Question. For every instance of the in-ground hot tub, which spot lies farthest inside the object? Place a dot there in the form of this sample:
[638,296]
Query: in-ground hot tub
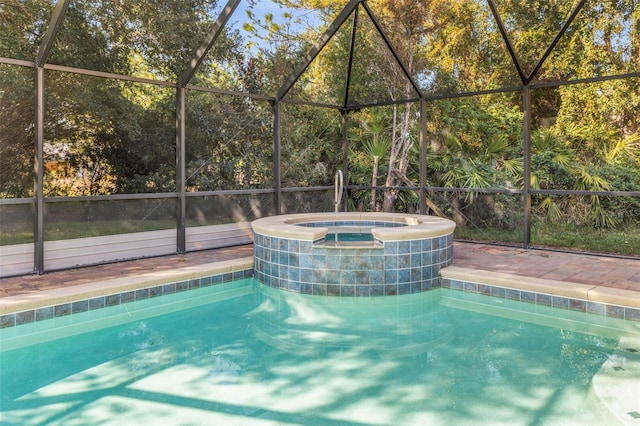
[385,254]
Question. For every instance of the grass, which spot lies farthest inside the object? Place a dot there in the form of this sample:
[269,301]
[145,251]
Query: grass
[618,241]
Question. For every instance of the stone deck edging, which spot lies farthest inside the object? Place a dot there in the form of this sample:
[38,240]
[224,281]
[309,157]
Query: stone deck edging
[593,293]
[58,296]
[600,300]
[417,226]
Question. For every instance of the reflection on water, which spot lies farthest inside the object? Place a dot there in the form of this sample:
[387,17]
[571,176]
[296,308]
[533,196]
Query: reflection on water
[275,357]
[304,324]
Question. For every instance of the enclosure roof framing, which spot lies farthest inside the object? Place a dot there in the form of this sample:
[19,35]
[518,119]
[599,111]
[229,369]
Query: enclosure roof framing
[52,30]
[317,48]
[526,77]
[555,41]
[209,41]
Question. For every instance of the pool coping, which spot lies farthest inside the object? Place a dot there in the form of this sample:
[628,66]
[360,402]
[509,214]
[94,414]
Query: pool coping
[596,299]
[418,226]
[123,285]
[589,292]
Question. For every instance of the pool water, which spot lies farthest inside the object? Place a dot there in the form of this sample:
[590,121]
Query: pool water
[271,357]
[349,236]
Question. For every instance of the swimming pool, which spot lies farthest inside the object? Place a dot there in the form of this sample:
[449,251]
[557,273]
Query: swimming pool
[249,354]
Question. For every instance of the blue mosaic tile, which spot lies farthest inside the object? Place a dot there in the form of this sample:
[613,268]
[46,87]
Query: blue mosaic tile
[294,274]
[428,285]
[363,277]
[283,272]
[527,296]
[484,289]
[318,276]
[305,260]
[169,288]
[362,291]
[80,306]
[347,290]
[404,261]
[404,276]
[376,276]
[416,275]
[391,262]
[391,276]
[320,289]
[615,311]
[560,302]
[376,290]
[8,320]
[498,292]
[142,294]
[404,288]
[62,310]
[470,287]
[294,286]
[129,296]
[512,294]
[391,289]
[578,305]
[24,317]
[543,299]
[44,313]
[632,314]
[96,303]
[390,248]
[427,273]
[596,308]
[404,247]
[112,300]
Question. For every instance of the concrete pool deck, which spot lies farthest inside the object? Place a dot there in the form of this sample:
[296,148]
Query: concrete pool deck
[598,278]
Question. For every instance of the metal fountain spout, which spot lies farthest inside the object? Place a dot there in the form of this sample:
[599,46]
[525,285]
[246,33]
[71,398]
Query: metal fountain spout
[338,188]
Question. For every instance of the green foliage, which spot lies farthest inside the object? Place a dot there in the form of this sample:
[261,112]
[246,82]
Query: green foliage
[105,136]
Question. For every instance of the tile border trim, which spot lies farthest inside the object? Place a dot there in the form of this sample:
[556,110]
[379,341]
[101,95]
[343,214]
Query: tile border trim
[608,302]
[107,295]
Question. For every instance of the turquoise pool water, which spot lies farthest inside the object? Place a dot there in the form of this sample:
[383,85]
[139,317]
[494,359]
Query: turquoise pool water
[349,236]
[249,354]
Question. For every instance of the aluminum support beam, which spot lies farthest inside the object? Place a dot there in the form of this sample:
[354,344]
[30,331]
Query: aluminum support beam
[345,157]
[38,181]
[526,194]
[52,31]
[206,45]
[181,244]
[277,177]
[552,46]
[423,157]
[507,41]
[352,48]
[394,52]
[317,48]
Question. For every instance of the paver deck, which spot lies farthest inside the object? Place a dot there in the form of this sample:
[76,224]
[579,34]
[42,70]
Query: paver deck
[597,271]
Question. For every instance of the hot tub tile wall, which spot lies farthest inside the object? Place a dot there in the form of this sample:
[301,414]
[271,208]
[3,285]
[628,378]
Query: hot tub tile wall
[389,268]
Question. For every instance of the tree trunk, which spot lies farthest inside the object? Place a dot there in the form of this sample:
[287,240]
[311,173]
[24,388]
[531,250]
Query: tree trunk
[374,182]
